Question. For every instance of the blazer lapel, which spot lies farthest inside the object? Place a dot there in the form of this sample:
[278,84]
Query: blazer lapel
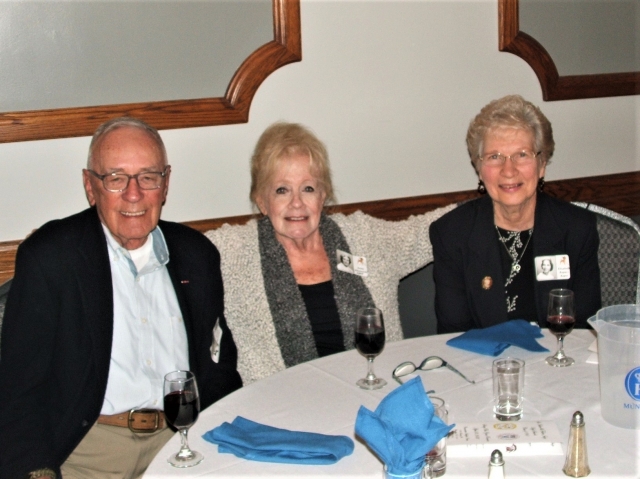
[174,270]
[96,292]
[484,262]
[549,237]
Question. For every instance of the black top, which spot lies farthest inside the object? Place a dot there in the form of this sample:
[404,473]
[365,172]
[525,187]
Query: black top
[323,313]
[519,285]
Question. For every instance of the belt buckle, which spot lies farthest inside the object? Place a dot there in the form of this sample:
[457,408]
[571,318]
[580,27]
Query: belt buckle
[143,411]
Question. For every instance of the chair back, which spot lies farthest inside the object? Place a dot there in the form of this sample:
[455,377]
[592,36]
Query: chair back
[618,256]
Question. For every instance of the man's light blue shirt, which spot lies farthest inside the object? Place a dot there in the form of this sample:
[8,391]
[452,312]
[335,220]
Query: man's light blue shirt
[149,336]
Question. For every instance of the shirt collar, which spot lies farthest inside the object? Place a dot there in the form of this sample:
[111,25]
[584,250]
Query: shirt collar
[158,259]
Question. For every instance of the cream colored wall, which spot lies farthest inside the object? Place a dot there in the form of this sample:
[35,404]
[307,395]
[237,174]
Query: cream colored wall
[390,86]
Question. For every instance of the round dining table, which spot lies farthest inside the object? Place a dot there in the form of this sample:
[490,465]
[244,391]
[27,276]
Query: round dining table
[321,396]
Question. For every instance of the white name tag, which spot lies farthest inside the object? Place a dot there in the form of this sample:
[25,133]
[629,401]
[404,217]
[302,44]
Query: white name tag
[350,263]
[549,268]
[215,345]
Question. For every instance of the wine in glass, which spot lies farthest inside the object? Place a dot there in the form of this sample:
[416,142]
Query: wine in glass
[370,342]
[181,408]
[560,320]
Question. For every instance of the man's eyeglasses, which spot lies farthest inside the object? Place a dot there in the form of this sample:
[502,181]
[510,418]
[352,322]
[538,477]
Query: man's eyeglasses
[432,362]
[118,182]
[521,158]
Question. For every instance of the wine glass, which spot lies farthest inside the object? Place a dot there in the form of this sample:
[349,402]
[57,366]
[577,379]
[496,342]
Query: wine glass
[181,408]
[370,342]
[560,319]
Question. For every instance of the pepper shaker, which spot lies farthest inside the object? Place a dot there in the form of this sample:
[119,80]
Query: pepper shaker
[576,464]
[496,465]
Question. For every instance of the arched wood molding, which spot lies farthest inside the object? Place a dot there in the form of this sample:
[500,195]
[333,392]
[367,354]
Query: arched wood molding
[554,86]
[619,192]
[285,48]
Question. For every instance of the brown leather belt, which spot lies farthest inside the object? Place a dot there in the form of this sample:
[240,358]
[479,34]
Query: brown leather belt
[137,420]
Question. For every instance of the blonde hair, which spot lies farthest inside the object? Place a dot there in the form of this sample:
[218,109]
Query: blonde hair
[281,141]
[511,111]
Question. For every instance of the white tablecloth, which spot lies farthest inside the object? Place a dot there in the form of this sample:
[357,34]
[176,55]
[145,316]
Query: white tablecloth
[321,396]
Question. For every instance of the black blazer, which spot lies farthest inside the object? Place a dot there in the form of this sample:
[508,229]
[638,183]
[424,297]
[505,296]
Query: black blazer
[57,335]
[466,250]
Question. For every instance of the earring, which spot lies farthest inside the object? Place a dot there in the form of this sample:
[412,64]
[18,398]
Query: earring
[541,184]
[481,188]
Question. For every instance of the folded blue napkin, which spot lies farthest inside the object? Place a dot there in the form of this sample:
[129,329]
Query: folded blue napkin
[403,428]
[493,340]
[257,442]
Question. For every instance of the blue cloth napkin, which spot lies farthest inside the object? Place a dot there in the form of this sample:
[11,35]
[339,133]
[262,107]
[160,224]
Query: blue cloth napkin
[403,428]
[493,340]
[257,442]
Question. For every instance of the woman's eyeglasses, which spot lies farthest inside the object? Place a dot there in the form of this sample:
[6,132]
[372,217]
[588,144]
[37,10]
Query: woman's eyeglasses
[432,362]
[521,158]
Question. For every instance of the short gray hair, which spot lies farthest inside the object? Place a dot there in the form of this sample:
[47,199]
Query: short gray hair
[121,122]
[511,111]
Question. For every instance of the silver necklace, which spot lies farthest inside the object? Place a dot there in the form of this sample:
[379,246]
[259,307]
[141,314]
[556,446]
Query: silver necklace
[515,264]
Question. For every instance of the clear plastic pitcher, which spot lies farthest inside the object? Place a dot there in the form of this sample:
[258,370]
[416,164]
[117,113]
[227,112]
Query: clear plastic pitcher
[618,330]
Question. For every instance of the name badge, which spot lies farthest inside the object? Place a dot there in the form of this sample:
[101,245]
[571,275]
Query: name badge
[549,268]
[215,345]
[350,263]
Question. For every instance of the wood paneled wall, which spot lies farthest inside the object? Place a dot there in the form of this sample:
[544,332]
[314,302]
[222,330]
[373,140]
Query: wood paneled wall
[619,192]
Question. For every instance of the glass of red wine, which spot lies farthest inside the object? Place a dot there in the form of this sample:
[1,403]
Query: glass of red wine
[370,342]
[560,320]
[181,408]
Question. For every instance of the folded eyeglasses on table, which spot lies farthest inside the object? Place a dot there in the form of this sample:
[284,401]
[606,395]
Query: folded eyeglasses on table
[432,362]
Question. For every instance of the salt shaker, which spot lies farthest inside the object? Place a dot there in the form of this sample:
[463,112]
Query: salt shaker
[496,465]
[576,464]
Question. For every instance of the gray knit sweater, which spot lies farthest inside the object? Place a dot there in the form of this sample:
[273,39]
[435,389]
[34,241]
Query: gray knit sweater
[266,345]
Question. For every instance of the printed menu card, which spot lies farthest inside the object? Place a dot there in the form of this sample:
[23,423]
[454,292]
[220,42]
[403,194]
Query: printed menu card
[520,438]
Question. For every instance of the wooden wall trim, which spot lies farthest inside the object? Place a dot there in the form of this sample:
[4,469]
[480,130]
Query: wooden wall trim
[285,48]
[554,86]
[618,192]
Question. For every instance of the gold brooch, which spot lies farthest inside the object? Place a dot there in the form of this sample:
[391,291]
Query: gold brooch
[487,282]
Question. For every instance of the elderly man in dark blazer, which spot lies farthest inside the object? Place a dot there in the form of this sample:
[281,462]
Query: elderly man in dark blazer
[104,304]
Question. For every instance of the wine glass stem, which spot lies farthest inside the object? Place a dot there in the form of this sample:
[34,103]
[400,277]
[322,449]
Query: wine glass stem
[560,353]
[184,453]
[370,374]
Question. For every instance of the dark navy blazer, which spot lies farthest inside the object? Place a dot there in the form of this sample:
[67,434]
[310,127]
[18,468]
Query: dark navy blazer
[58,328]
[466,250]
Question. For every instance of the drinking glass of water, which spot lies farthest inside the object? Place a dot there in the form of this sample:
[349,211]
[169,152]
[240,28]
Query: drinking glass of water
[436,458]
[508,388]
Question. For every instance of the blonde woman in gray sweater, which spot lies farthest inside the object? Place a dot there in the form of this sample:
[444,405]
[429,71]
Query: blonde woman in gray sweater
[295,278]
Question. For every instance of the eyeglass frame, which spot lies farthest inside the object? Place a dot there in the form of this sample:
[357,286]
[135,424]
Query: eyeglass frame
[424,362]
[163,175]
[510,157]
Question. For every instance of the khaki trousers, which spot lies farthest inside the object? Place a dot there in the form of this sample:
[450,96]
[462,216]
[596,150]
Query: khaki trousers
[112,452]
